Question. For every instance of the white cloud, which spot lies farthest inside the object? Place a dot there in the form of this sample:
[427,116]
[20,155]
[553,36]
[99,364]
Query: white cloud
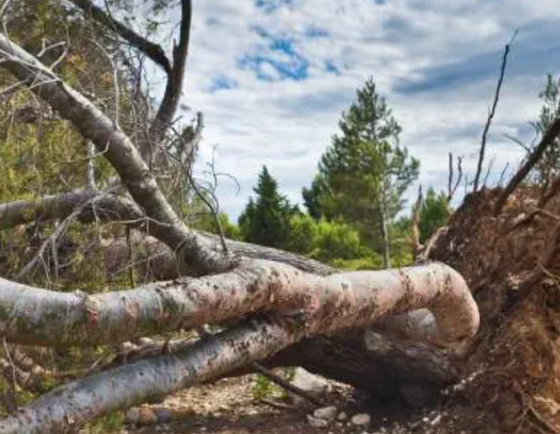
[435,61]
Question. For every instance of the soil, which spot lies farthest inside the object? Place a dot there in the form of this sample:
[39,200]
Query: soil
[229,407]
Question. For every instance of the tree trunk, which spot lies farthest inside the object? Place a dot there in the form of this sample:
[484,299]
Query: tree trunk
[385,237]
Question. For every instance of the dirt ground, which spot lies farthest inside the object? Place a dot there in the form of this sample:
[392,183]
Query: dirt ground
[229,407]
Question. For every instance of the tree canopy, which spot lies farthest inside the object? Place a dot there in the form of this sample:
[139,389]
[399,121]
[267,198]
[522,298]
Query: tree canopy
[364,173]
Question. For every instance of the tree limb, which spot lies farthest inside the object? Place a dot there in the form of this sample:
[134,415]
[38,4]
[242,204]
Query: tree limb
[491,114]
[113,208]
[330,304]
[52,318]
[532,159]
[153,51]
[172,95]
[121,153]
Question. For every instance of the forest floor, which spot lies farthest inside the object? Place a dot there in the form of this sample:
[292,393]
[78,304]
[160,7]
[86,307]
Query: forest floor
[230,407]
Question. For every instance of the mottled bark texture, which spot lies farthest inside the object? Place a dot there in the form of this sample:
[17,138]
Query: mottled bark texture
[298,306]
[347,299]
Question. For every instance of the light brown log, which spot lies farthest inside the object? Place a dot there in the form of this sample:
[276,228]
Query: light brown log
[325,305]
[41,317]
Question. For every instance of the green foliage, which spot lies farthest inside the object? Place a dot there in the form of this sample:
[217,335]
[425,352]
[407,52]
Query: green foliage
[263,388]
[336,240]
[364,173]
[302,234]
[548,167]
[433,214]
[323,240]
[207,222]
[266,219]
[112,423]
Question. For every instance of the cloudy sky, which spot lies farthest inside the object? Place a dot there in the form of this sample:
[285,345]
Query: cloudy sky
[273,76]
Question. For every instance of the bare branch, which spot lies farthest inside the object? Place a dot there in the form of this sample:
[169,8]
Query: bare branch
[150,49]
[416,245]
[492,113]
[452,188]
[502,175]
[121,153]
[168,107]
[488,171]
[532,159]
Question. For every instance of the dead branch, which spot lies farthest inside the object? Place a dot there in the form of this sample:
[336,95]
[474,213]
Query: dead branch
[285,384]
[502,175]
[174,86]
[488,172]
[452,188]
[492,113]
[532,159]
[121,153]
[416,245]
[150,49]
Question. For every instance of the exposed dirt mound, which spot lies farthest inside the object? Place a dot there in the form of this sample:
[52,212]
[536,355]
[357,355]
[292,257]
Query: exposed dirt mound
[511,262]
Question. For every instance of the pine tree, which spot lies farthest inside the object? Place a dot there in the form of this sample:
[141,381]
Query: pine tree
[364,173]
[433,214]
[266,219]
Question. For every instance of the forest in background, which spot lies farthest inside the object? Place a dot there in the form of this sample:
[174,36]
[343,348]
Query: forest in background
[83,219]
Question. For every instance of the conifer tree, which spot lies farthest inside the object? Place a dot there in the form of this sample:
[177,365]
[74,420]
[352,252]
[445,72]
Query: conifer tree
[266,219]
[365,172]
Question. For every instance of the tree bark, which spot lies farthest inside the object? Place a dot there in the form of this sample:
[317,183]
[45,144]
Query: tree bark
[56,319]
[117,147]
[323,306]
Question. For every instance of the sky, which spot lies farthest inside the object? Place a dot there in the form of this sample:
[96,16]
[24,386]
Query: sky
[272,78]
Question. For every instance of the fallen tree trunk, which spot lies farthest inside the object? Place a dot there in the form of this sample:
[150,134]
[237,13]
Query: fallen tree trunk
[323,306]
[55,319]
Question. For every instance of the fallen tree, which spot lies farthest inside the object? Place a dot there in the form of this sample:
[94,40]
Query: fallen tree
[381,331]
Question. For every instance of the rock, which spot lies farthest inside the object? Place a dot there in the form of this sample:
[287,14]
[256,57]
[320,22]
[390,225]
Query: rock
[316,423]
[342,417]
[132,415]
[361,419]
[325,413]
[163,415]
[147,416]
[312,384]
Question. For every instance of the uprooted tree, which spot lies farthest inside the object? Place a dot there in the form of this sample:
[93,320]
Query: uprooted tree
[386,332]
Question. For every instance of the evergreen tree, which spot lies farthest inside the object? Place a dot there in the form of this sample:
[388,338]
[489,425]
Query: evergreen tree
[434,214]
[364,173]
[266,219]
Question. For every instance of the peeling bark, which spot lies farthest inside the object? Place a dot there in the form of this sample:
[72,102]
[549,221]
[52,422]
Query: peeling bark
[66,409]
[346,299]
[326,305]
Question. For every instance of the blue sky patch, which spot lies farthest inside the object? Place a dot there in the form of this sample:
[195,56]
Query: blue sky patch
[221,82]
[313,32]
[270,6]
[277,60]
[331,67]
